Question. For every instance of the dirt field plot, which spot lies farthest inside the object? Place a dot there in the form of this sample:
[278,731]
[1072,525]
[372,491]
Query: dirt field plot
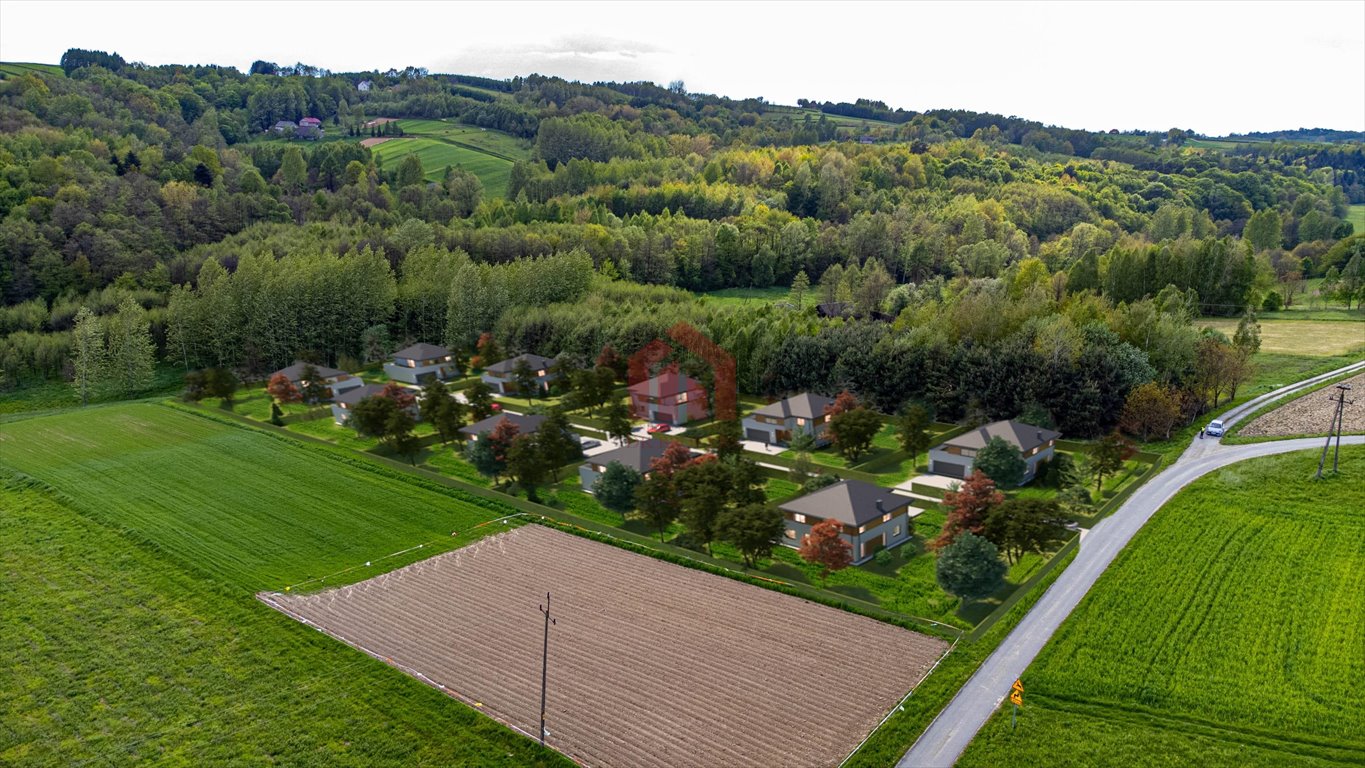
[1312,413]
[650,663]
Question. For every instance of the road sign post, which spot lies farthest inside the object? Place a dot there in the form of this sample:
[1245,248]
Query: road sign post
[1017,699]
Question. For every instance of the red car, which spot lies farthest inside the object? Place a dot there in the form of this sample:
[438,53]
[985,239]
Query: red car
[655,429]
[496,406]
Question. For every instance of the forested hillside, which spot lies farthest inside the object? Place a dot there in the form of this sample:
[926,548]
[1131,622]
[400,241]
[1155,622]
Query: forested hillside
[985,264]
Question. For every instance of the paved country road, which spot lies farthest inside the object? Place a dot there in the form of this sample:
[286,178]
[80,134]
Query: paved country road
[950,733]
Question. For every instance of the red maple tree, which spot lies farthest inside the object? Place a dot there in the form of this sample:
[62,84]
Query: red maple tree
[399,394]
[504,432]
[283,390]
[823,547]
[968,507]
[843,403]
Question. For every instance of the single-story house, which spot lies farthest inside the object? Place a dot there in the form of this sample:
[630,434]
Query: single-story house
[872,518]
[309,128]
[344,402]
[336,381]
[421,363]
[954,458]
[778,422]
[639,456]
[364,85]
[526,424]
[286,127]
[671,397]
[501,376]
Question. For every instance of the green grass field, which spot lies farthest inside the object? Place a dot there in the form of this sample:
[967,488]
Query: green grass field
[1356,215]
[1227,633]
[749,295]
[115,654]
[16,68]
[246,508]
[493,142]
[437,155]
[1301,337]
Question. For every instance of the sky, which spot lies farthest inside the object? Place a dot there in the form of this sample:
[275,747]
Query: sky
[1213,67]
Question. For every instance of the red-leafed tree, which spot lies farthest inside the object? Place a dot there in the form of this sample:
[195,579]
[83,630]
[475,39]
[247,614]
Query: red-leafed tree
[968,507]
[283,390]
[400,395]
[609,359]
[501,438]
[823,547]
[488,351]
[675,457]
[843,403]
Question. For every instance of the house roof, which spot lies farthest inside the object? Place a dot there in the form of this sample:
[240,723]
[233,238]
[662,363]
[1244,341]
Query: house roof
[670,382]
[310,121]
[852,502]
[421,352]
[295,372]
[804,406]
[285,122]
[1023,436]
[832,309]
[536,363]
[353,396]
[525,424]
[636,455]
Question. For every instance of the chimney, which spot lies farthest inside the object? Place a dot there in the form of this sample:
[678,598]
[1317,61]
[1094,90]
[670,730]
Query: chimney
[880,508]
[1040,435]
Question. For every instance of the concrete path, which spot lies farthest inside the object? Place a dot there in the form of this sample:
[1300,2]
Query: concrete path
[950,733]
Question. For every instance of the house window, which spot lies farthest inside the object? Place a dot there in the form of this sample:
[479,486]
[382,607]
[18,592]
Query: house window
[682,398]
[896,531]
[791,534]
[799,518]
[800,422]
[540,373]
[886,518]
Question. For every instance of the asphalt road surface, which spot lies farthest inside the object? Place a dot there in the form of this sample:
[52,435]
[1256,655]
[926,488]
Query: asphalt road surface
[950,733]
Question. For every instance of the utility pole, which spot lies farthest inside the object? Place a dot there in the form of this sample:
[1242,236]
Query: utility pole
[544,664]
[1336,424]
[1342,402]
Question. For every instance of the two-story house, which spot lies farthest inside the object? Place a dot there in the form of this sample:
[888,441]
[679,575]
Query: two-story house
[777,423]
[870,517]
[336,381]
[671,397]
[527,424]
[955,457]
[501,377]
[344,402]
[421,363]
[639,456]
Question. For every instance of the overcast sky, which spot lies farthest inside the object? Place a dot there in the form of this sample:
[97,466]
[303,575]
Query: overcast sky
[1217,68]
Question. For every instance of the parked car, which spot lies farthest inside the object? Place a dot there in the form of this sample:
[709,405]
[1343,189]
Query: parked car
[496,406]
[588,443]
[655,429]
[1214,429]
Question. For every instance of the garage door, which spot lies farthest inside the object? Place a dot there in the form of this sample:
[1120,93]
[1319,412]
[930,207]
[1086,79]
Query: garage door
[760,435]
[950,470]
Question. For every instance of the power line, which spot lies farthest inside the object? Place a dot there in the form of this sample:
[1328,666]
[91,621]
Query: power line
[1338,418]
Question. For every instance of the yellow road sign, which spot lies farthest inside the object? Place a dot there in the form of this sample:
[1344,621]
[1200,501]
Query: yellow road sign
[1018,686]
[1016,698]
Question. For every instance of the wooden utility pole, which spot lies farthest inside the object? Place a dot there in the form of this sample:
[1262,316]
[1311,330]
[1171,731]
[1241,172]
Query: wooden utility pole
[1337,419]
[544,664]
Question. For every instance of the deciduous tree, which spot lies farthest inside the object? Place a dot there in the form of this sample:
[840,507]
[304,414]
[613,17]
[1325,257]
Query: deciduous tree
[753,529]
[1150,409]
[1002,462]
[615,487]
[1107,457]
[618,422]
[283,390]
[527,463]
[967,508]
[970,567]
[824,547]
[912,428]
[1017,526]
[480,397]
[853,432]
[87,353]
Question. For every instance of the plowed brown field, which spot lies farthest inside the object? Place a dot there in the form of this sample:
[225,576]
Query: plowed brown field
[651,664]
[1312,413]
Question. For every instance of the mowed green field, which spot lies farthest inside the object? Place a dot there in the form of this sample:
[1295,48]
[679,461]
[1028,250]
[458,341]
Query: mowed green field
[1301,337]
[1356,215]
[114,654]
[492,142]
[1229,632]
[16,68]
[437,155]
[246,508]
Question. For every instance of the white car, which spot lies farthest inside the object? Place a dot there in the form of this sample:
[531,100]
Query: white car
[1214,429]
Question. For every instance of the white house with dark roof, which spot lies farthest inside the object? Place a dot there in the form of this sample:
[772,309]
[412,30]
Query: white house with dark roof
[501,376]
[955,457]
[336,381]
[871,518]
[639,456]
[421,363]
[777,423]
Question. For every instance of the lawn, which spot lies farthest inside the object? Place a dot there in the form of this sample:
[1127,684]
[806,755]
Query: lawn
[494,143]
[114,654]
[252,510]
[740,296]
[437,155]
[1320,338]
[1228,632]
[52,395]
[1356,215]
[17,68]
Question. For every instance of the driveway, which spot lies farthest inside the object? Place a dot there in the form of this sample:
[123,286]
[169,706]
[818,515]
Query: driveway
[950,733]
[767,449]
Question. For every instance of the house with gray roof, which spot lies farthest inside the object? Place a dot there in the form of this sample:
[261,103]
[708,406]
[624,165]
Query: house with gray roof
[639,456]
[777,423]
[501,376]
[344,402]
[526,424]
[336,381]
[871,518]
[421,363]
[954,458]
